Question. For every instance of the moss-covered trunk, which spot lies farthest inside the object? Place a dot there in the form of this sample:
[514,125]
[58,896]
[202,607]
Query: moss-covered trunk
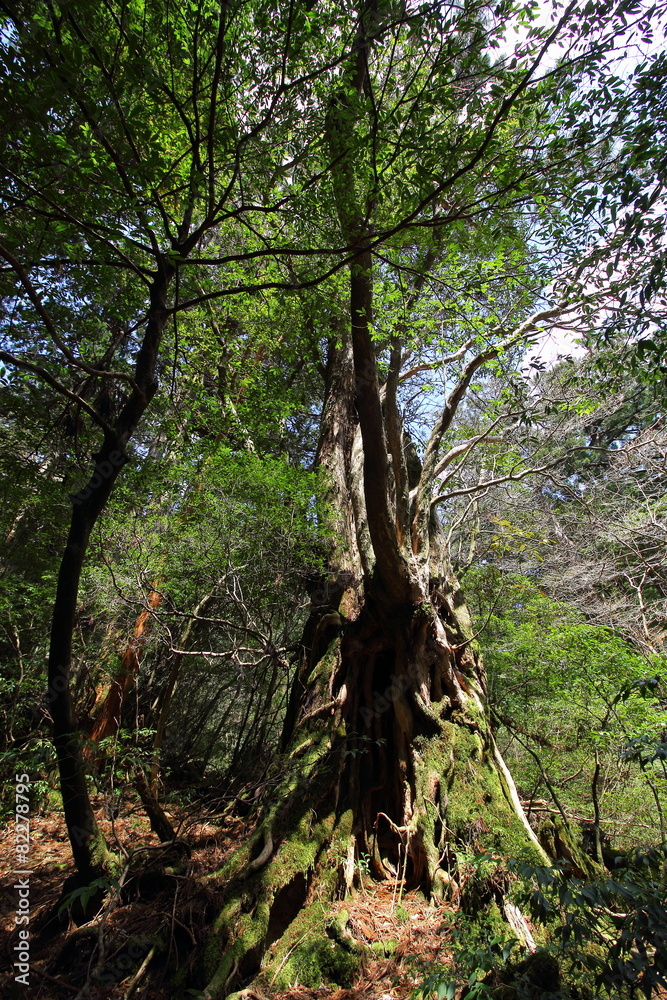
[387,753]
[391,760]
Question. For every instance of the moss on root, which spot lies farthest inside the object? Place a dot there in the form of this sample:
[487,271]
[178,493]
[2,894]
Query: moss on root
[249,923]
[311,953]
[384,949]
[274,922]
[473,799]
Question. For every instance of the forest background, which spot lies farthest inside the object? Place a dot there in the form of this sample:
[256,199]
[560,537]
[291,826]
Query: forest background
[282,450]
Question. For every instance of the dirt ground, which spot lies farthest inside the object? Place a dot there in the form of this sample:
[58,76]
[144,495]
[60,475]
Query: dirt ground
[176,903]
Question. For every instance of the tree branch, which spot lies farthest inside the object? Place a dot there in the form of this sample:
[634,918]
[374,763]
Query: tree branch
[45,376]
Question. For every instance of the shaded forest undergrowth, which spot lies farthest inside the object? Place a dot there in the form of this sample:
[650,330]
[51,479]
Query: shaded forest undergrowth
[149,934]
[166,906]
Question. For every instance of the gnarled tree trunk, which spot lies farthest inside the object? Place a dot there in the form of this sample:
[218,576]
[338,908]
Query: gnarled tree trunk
[387,748]
[390,752]
[387,751]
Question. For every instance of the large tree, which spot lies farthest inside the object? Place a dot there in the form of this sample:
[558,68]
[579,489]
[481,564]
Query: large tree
[387,748]
[175,156]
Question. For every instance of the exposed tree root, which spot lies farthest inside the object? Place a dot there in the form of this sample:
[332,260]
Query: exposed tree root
[391,760]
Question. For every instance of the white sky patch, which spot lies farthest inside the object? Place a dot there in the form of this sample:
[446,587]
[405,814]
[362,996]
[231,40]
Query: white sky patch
[552,346]
[633,48]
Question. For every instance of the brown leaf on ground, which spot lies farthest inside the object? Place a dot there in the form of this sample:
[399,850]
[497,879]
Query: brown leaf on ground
[179,903]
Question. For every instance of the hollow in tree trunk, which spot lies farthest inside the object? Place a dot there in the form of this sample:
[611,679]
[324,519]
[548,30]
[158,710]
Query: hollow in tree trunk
[387,751]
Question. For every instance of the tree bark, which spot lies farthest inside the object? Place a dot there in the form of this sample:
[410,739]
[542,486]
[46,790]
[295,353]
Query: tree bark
[90,852]
[386,746]
[107,720]
[159,821]
[390,752]
[334,450]
[387,750]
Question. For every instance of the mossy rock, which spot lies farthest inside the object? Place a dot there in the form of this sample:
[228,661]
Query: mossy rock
[384,949]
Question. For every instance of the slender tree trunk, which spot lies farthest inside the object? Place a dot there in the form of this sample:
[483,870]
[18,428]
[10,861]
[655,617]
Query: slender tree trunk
[597,840]
[159,821]
[88,846]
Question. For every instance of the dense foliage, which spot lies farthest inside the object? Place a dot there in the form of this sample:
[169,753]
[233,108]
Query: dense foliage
[277,285]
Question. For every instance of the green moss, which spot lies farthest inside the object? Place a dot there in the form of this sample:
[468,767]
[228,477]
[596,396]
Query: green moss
[306,955]
[343,829]
[241,928]
[423,611]
[562,844]
[319,962]
[474,801]
[250,932]
[297,855]
[384,949]
[305,952]
[491,922]
[103,858]
[53,802]
[319,675]
[236,862]
[329,873]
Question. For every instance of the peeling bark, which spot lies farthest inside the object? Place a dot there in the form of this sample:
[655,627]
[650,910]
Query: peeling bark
[107,721]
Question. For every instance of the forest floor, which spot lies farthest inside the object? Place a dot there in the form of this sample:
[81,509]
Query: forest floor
[174,900]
